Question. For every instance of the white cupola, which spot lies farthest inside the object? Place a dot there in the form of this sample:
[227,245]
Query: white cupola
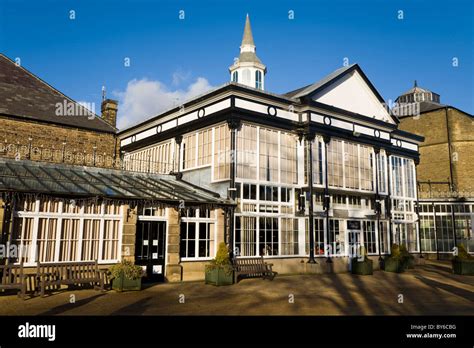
[248,69]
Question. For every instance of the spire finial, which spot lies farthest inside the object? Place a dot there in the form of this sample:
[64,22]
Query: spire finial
[248,37]
[415,84]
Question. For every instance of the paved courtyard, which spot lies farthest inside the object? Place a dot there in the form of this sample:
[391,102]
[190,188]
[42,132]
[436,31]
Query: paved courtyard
[427,290]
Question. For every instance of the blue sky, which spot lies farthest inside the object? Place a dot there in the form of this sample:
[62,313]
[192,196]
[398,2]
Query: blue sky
[172,59]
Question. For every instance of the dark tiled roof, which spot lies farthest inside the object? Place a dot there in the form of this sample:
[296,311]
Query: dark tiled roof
[80,181]
[24,95]
[301,92]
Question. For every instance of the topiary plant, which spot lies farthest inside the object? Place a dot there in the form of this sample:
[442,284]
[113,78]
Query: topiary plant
[126,269]
[222,259]
[463,254]
[395,254]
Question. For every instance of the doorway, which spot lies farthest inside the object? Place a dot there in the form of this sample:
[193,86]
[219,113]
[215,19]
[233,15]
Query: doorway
[150,249]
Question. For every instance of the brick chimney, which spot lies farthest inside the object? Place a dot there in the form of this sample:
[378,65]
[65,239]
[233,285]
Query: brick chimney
[109,111]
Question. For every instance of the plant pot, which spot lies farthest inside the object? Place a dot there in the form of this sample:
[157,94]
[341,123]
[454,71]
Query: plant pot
[394,265]
[408,263]
[124,284]
[218,277]
[362,267]
[464,267]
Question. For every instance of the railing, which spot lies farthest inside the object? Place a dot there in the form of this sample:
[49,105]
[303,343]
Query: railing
[66,155]
[441,189]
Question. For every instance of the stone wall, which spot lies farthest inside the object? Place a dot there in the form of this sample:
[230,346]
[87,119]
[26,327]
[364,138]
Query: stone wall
[47,142]
[434,152]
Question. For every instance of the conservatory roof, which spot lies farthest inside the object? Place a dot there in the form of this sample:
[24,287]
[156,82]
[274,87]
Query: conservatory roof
[81,181]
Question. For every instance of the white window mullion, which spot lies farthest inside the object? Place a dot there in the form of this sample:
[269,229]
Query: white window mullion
[101,232]
[34,240]
[58,231]
[81,234]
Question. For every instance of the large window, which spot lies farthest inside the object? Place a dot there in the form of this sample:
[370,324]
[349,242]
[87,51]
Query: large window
[382,169]
[222,156]
[197,234]
[336,237]
[427,234]
[157,159]
[351,173]
[318,237]
[370,241]
[268,155]
[247,152]
[289,236]
[246,235]
[204,147]
[366,168]
[268,236]
[189,151]
[60,231]
[288,159]
[335,163]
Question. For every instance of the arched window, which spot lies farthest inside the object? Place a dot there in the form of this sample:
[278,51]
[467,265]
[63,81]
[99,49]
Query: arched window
[235,76]
[258,79]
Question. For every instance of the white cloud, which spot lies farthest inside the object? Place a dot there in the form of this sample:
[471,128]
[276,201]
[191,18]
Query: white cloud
[144,98]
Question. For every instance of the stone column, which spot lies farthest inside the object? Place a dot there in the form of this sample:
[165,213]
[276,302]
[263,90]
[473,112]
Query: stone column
[174,271]
[129,232]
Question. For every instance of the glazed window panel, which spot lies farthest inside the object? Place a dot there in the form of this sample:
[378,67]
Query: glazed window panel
[69,240]
[46,242]
[382,169]
[289,237]
[351,159]
[336,237]
[189,151]
[268,154]
[90,240]
[222,151]
[288,158]
[110,240]
[317,162]
[204,147]
[247,152]
[335,163]
[22,237]
[246,235]
[268,236]
[427,234]
[369,236]
[366,168]
[383,233]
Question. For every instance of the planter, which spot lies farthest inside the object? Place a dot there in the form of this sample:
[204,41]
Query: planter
[464,267]
[218,277]
[362,267]
[125,284]
[394,265]
[409,263]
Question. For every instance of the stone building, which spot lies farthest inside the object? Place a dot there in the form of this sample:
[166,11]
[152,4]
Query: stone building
[315,173]
[445,172]
[63,194]
[40,123]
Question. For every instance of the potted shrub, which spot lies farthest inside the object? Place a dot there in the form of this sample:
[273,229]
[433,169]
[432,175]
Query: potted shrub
[408,260]
[362,265]
[394,262]
[220,270]
[126,276]
[463,263]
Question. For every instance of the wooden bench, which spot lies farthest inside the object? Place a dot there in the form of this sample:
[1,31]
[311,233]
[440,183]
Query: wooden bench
[254,267]
[13,277]
[68,273]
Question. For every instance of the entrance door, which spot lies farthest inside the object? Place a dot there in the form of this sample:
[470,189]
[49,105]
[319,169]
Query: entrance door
[150,249]
[354,237]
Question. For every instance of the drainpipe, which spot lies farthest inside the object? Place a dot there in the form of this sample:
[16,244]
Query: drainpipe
[448,131]
[309,148]
[327,139]
[418,213]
